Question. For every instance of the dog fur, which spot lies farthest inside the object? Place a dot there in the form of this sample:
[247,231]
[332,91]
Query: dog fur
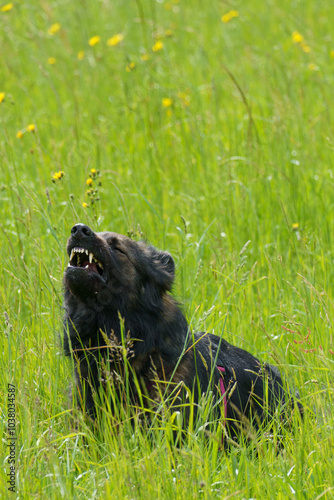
[123,295]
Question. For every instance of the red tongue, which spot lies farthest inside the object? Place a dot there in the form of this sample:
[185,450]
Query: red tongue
[90,266]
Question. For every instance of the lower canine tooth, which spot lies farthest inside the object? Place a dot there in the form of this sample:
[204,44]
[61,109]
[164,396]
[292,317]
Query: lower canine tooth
[90,257]
[72,255]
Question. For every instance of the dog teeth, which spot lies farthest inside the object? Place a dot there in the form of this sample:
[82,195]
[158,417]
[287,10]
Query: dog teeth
[77,251]
[80,250]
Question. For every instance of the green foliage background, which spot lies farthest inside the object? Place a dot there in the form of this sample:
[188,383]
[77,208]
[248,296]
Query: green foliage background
[235,178]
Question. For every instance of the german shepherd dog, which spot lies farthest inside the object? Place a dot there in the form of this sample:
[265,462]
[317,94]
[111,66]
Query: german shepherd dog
[116,289]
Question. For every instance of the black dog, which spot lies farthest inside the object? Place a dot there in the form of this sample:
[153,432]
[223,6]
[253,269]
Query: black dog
[115,288]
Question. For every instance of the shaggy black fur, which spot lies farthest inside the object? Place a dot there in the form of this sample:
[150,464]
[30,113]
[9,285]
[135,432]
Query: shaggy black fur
[127,283]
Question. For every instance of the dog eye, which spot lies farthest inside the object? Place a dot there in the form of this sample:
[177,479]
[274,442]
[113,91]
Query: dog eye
[117,249]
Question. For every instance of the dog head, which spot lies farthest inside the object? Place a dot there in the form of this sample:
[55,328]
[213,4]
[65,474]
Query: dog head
[111,269]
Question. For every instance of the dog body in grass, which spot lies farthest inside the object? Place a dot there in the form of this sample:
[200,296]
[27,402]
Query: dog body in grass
[116,287]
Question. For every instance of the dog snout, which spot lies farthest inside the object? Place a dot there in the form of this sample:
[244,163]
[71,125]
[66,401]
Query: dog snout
[81,231]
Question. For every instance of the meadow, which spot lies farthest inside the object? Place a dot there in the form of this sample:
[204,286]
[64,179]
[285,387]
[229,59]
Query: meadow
[207,129]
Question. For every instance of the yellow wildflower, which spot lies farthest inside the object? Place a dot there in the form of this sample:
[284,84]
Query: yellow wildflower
[230,15]
[7,7]
[115,40]
[295,226]
[168,32]
[19,134]
[93,171]
[167,102]
[297,37]
[158,46]
[305,47]
[313,67]
[57,176]
[52,60]
[85,205]
[94,40]
[31,127]
[89,182]
[145,57]
[54,28]
[2,97]
[81,55]
[130,66]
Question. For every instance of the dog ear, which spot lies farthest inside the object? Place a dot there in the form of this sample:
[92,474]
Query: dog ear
[161,268]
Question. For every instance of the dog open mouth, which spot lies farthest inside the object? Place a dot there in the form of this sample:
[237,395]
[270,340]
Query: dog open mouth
[82,257]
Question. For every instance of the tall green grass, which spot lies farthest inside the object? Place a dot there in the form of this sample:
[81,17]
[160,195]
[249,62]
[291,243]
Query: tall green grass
[235,178]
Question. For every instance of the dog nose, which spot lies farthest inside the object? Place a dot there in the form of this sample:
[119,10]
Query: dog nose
[81,231]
